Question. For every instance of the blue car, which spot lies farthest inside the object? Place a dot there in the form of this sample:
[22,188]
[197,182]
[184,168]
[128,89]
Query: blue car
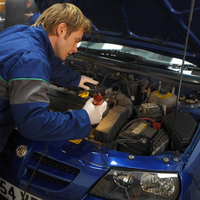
[146,57]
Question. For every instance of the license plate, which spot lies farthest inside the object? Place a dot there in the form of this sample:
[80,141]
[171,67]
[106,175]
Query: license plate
[12,192]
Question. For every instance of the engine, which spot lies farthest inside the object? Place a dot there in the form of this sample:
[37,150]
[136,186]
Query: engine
[141,118]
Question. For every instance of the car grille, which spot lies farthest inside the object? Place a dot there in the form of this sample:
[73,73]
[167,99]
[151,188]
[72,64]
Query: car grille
[55,164]
[51,174]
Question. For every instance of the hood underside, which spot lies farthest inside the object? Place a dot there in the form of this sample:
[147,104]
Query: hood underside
[158,26]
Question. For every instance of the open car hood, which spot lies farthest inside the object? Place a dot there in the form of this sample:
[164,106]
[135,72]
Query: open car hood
[154,25]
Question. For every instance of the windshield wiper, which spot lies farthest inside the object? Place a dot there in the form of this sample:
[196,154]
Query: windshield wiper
[125,57]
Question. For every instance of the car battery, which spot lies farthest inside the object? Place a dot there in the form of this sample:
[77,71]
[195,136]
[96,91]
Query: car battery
[140,138]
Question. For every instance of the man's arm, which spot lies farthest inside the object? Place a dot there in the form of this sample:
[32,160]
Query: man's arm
[63,76]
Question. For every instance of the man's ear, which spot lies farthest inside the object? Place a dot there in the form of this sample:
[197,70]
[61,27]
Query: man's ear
[61,29]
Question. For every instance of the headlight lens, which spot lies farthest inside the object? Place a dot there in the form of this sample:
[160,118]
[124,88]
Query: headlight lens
[127,185]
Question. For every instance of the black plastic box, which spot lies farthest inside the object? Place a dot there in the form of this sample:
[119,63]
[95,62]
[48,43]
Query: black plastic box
[183,131]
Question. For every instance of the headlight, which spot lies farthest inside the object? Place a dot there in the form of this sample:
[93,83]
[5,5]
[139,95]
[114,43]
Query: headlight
[127,185]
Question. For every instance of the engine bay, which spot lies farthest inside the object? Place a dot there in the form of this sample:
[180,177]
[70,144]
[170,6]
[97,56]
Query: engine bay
[143,115]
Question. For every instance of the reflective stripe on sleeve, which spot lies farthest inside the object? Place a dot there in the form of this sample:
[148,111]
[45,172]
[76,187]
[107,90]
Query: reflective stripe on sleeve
[28,91]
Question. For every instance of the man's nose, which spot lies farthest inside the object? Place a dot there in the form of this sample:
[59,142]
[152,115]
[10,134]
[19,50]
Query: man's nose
[75,49]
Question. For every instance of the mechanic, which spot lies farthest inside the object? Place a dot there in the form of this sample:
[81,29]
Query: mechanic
[31,57]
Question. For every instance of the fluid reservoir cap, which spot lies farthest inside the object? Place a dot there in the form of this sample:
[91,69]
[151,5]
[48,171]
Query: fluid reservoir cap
[163,90]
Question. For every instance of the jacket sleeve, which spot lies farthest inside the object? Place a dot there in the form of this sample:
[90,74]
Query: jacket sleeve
[63,75]
[29,106]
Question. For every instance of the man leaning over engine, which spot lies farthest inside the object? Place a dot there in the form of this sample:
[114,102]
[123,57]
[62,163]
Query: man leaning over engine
[31,57]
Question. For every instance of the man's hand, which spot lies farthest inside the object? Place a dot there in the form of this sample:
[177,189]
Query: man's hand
[95,112]
[85,79]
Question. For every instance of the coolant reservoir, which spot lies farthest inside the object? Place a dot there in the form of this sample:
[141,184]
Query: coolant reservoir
[164,99]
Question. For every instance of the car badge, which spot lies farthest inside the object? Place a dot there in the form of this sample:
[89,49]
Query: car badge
[21,151]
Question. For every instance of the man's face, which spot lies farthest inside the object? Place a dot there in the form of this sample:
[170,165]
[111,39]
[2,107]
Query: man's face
[66,45]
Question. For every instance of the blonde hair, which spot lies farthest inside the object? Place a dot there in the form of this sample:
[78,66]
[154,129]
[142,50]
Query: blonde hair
[63,13]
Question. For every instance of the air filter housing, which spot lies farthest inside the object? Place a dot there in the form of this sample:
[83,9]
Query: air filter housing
[183,131]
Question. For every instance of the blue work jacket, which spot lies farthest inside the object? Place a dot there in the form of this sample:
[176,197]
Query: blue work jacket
[27,65]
